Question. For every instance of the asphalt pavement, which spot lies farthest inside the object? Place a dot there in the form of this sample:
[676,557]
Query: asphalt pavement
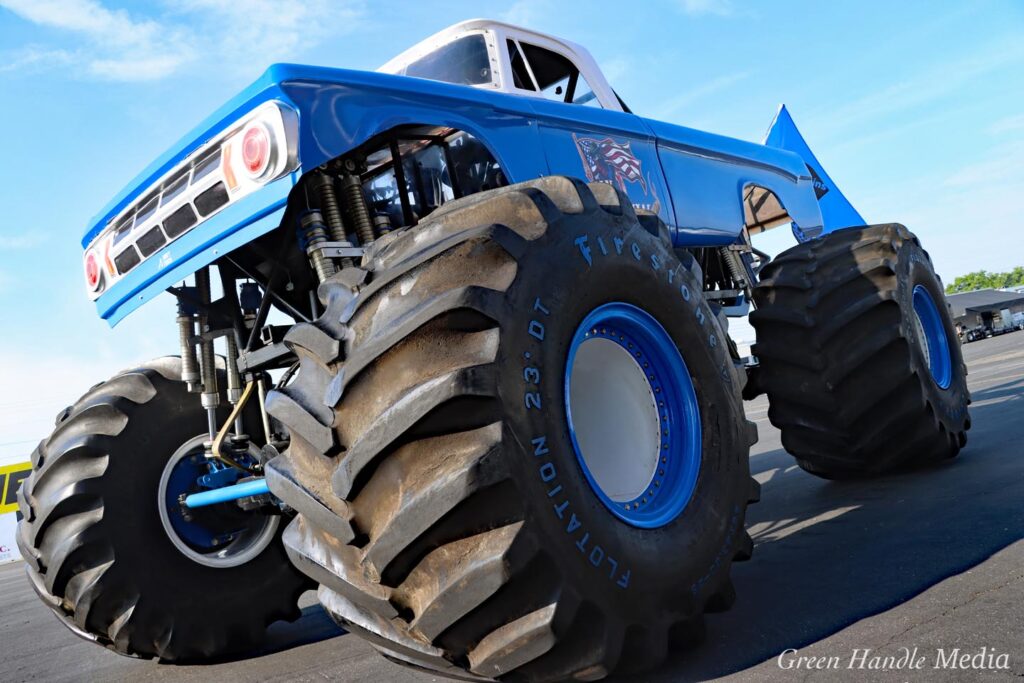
[932,560]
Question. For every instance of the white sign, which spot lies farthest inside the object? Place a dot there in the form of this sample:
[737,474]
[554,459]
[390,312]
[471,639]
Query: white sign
[8,546]
[11,477]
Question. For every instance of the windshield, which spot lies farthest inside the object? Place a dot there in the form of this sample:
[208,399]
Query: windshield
[463,61]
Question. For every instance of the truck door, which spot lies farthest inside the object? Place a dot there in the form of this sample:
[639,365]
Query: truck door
[582,139]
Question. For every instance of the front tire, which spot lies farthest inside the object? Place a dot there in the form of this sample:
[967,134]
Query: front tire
[443,504]
[97,545]
[858,354]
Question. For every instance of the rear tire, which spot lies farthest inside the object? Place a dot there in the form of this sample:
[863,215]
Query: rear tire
[95,547]
[855,383]
[442,504]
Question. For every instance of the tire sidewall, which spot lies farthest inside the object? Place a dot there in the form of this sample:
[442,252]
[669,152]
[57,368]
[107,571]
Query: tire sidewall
[173,587]
[581,262]
[915,269]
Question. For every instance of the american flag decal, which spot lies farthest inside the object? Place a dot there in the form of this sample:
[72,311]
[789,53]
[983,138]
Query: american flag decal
[607,160]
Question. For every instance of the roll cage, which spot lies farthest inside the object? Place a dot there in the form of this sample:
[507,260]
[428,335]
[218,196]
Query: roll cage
[498,56]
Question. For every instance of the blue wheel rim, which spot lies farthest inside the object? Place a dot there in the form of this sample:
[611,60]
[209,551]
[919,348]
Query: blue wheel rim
[673,481]
[933,338]
[218,536]
[182,480]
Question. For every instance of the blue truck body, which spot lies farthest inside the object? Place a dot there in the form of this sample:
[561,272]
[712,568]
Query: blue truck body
[450,376]
[694,180]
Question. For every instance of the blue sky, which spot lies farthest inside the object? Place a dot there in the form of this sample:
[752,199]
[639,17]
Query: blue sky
[916,109]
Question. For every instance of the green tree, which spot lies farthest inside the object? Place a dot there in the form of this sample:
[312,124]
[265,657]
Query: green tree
[982,279]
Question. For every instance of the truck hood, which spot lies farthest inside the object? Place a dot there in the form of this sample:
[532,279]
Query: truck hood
[266,87]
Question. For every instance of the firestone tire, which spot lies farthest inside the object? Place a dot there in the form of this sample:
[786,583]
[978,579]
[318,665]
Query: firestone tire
[442,505]
[96,550]
[859,355]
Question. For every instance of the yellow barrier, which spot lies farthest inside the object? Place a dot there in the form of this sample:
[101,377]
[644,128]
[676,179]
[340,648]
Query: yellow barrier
[11,477]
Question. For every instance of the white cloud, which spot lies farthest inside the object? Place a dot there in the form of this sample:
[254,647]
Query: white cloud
[522,13]
[86,16]
[940,81]
[43,387]
[616,69]
[959,216]
[118,45]
[1010,124]
[265,31]
[721,8]
[34,58]
[960,231]
[25,240]
[678,102]
[1003,166]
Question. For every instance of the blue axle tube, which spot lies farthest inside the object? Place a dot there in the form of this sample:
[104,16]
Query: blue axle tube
[255,487]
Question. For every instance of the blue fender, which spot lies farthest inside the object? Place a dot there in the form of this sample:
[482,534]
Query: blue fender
[337,110]
[696,181]
[708,174]
[836,210]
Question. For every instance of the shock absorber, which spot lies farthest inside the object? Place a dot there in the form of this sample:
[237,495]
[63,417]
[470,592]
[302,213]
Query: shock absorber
[330,212]
[312,234]
[189,363]
[234,377]
[733,265]
[207,360]
[355,202]
[249,300]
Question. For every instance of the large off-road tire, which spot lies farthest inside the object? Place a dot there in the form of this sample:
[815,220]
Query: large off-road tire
[95,547]
[442,504]
[858,354]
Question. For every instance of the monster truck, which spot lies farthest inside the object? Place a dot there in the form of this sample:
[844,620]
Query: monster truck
[496,416]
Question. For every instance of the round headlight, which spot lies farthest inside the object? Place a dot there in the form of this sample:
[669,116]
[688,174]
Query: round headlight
[256,149]
[93,275]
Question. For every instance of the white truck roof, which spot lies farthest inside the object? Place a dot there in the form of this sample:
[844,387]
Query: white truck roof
[497,34]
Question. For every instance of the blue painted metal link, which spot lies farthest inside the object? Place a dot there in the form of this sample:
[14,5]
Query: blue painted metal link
[254,487]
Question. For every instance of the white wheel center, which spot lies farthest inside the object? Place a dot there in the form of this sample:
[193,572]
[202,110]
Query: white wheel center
[922,340]
[615,418]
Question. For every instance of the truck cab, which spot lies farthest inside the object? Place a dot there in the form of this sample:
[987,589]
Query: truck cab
[497,56]
[653,162]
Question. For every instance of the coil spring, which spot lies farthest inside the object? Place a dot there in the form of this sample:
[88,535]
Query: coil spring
[732,263]
[355,202]
[189,362]
[312,234]
[381,224]
[207,358]
[330,209]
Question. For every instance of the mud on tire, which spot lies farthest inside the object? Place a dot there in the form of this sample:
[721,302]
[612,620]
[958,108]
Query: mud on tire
[441,504]
[94,546]
[846,367]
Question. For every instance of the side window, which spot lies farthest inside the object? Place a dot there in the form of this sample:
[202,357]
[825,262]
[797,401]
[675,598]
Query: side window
[584,95]
[557,77]
[520,76]
[464,61]
[552,71]
[558,91]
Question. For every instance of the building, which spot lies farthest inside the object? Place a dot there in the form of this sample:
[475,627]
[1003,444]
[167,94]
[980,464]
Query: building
[986,307]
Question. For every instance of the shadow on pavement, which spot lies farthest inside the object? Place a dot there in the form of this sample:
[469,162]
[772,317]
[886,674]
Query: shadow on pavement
[313,626]
[828,554]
